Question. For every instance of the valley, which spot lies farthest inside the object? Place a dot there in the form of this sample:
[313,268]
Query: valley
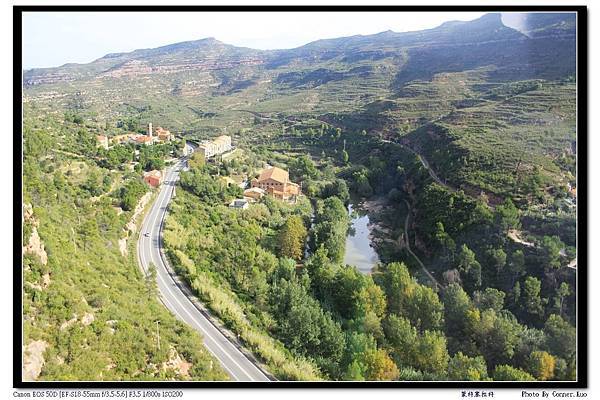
[391,207]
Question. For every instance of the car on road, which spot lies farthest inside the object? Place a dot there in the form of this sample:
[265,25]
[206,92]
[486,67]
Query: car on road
[147,234]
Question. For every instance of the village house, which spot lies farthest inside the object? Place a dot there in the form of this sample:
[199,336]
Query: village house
[163,135]
[144,140]
[102,141]
[153,178]
[215,147]
[241,204]
[276,182]
[255,193]
[121,138]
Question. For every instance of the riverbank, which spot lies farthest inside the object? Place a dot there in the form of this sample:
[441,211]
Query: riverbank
[383,237]
[389,234]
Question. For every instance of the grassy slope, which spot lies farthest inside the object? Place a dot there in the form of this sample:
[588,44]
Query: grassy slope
[88,275]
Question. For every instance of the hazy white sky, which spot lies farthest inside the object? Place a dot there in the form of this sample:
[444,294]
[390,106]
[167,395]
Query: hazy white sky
[53,39]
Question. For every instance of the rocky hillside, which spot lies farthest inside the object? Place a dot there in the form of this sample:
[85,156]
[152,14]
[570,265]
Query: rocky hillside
[484,72]
[453,46]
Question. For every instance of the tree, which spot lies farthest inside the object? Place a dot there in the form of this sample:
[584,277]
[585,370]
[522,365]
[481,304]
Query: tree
[533,182]
[370,324]
[508,373]
[560,337]
[347,286]
[93,184]
[465,368]
[321,271]
[355,372]
[131,192]
[292,238]
[496,334]
[516,266]
[303,326]
[445,241]
[507,216]
[561,370]
[379,366]
[361,183]
[337,188]
[431,354]
[197,160]
[373,297]
[357,345]
[89,231]
[468,265]
[303,168]
[533,303]
[551,247]
[490,298]
[561,293]
[401,336]
[345,157]
[424,308]
[497,260]
[530,339]
[515,297]
[541,365]
[426,352]
[331,227]
[456,305]
[420,304]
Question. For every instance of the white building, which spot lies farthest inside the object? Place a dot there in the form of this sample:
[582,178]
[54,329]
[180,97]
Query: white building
[214,147]
[239,204]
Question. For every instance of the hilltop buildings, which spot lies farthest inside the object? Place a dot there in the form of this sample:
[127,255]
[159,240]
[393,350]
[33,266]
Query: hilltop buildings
[151,137]
[215,147]
[276,182]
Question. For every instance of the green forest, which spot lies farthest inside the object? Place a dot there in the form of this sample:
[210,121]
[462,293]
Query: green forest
[251,268]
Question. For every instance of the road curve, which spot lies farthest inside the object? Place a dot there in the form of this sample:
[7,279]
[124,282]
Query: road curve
[233,361]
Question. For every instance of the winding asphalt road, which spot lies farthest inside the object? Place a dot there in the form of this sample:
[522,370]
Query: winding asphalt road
[172,294]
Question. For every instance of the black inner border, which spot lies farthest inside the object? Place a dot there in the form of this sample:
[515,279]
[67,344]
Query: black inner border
[582,206]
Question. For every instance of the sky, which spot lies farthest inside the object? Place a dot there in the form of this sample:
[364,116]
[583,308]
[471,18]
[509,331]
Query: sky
[55,38]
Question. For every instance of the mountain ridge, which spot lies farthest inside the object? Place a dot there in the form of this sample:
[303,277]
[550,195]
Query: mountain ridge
[382,44]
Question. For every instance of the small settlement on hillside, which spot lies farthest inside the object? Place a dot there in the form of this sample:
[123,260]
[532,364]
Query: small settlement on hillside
[151,137]
[160,135]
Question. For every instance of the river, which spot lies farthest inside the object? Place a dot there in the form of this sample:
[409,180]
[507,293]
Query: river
[358,244]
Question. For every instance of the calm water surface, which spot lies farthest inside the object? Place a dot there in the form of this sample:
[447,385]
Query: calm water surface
[358,246]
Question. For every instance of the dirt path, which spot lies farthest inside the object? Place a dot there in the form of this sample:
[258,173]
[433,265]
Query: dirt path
[113,186]
[425,164]
[515,235]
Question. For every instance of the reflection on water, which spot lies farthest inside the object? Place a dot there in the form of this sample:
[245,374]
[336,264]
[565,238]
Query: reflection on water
[358,245]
